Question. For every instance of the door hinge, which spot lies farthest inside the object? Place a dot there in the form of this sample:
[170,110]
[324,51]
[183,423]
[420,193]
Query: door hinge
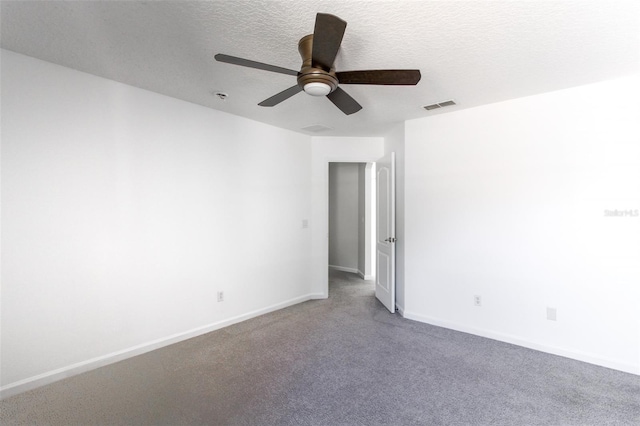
[391,239]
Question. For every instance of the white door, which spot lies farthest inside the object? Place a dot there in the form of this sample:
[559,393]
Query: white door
[386,232]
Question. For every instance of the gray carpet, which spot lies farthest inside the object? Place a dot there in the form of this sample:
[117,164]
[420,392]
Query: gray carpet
[341,361]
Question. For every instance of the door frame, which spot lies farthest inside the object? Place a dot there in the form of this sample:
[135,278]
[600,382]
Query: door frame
[325,211]
[366,247]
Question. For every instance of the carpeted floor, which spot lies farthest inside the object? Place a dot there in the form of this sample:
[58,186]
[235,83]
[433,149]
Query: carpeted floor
[341,361]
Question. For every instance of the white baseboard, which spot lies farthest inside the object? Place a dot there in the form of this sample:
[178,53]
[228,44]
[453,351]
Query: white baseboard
[515,340]
[91,364]
[400,310]
[352,270]
[318,296]
[365,277]
[344,269]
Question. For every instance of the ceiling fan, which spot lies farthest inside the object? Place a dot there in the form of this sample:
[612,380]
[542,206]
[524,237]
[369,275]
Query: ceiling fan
[317,77]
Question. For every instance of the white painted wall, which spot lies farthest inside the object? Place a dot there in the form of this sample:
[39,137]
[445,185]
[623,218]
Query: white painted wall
[507,201]
[124,212]
[344,227]
[394,141]
[325,150]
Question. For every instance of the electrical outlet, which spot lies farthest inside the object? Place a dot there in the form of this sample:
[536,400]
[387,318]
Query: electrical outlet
[221,296]
[477,300]
[552,314]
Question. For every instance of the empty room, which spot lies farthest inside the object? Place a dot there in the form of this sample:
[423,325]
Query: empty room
[278,212]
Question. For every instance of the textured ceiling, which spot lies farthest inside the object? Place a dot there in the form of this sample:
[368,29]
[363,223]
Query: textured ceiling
[476,52]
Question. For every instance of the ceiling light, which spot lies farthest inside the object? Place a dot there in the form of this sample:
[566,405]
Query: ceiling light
[317,89]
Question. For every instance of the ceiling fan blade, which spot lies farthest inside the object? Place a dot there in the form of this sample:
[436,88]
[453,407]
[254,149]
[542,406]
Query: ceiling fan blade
[385,77]
[282,96]
[344,101]
[253,64]
[327,37]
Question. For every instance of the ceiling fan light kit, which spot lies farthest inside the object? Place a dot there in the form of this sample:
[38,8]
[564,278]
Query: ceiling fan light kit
[317,76]
[317,89]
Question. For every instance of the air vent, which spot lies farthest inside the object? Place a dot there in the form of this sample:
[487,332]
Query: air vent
[316,128]
[430,107]
[440,105]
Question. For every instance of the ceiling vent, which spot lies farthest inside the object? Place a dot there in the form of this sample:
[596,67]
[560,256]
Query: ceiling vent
[316,128]
[440,105]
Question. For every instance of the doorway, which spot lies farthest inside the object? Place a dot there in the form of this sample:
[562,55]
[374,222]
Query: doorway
[352,218]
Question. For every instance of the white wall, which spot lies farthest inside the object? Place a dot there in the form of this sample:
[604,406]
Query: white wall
[325,150]
[507,201]
[124,212]
[394,141]
[344,229]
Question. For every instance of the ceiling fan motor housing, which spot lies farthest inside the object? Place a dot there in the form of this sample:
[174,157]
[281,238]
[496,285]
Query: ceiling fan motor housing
[310,73]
